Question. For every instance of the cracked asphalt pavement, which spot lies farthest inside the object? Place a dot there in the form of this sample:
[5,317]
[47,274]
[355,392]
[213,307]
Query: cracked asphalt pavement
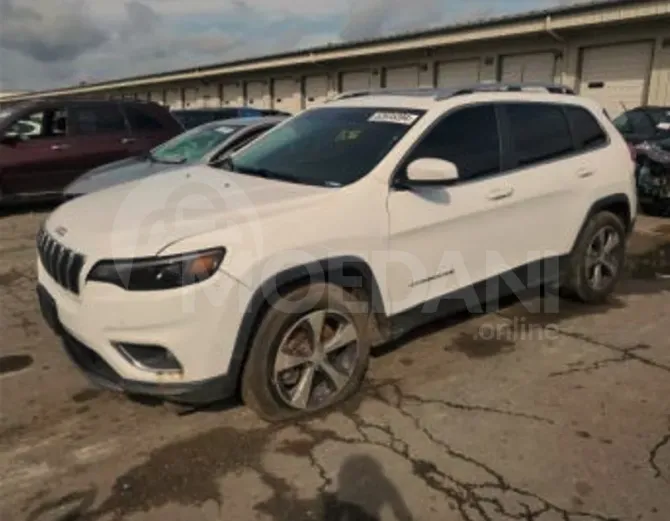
[517,414]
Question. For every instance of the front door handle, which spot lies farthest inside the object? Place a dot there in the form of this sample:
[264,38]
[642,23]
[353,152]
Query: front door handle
[62,146]
[500,193]
[584,173]
[127,140]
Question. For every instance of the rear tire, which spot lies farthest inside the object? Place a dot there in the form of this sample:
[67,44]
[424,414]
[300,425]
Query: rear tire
[285,352]
[601,246]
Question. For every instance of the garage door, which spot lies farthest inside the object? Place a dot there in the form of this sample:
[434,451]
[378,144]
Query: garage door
[359,80]
[232,95]
[286,95]
[209,96]
[457,73]
[316,89]
[402,77]
[173,98]
[616,75]
[537,67]
[258,95]
[192,98]
[156,96]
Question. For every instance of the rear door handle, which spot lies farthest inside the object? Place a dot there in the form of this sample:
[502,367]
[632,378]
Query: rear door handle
[584,173]
[127,140]
[500,193]
[60,147]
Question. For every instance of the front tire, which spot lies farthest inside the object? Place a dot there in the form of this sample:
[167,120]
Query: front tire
[597,261]
[310,352]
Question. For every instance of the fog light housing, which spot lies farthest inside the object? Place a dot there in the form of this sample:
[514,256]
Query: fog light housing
[152,358]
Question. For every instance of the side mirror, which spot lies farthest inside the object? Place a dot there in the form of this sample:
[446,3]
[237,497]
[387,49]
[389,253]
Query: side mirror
[428,171]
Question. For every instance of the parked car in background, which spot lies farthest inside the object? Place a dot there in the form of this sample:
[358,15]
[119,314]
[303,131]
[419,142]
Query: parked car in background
[644,124]
[653,176]
[204,144]
[191,118]
[45,144]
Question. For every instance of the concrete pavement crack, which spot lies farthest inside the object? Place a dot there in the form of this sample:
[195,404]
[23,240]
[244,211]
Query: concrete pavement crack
[479,408]
[475,493]
[653,454]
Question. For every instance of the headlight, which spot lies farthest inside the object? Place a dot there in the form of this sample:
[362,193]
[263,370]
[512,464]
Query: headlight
[156,273]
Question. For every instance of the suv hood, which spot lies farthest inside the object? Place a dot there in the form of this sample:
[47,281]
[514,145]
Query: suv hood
[141,218]
[118,172]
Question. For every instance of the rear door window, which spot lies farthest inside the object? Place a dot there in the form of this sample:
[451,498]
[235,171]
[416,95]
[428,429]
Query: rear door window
[585,128]
[538,132]
[140,121]
[96,119]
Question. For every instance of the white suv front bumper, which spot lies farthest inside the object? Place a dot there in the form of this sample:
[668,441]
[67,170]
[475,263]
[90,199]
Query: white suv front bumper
[197,324]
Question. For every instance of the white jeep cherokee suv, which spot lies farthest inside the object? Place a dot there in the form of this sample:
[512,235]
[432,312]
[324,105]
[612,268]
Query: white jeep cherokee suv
[273,273]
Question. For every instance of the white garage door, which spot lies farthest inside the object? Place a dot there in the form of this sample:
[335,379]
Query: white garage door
[359,80]
[209,96]
[616,75]
[457,73]
[258,95]
[192,98]
[286,92]
[316,90]
[402,77]
[537,67]
[232,95]
[173,98]
[156,96]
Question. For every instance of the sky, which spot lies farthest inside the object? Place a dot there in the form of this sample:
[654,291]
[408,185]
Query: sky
[50,43]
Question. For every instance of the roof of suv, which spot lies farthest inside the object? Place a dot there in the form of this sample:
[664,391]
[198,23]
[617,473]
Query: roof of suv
[427,97]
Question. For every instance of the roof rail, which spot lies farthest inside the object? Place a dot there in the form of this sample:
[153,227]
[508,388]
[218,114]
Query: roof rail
[445,93]
[510,87]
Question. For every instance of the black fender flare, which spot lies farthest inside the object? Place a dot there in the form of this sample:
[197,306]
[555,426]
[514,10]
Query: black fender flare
[607,203]
[350,271]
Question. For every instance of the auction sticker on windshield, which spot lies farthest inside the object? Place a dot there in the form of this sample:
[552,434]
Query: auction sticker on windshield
[224,130]
[401,118]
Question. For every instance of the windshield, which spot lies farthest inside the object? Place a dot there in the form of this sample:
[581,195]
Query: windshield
[192,145]
[326,146]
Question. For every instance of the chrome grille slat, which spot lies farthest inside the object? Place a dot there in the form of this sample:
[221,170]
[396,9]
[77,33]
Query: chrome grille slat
[61,263]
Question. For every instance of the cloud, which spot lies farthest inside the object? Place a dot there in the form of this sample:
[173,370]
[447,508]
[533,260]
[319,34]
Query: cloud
[51,43]
[48,31]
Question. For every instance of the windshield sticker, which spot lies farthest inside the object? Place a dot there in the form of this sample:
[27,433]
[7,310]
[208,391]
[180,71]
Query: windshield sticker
[224,130]
[346,135]
[401,118]
[663,126]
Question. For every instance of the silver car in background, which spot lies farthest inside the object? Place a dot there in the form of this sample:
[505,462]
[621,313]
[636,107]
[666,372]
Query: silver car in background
[200,145]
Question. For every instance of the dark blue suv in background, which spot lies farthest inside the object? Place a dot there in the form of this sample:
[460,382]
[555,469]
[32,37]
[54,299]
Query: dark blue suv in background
[191,118]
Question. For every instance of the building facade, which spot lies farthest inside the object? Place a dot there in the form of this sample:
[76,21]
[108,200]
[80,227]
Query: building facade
[616,51]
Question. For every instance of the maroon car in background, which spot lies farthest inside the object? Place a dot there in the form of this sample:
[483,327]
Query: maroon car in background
[46,144]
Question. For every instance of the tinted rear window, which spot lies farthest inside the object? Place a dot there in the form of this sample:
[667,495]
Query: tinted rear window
[539,132]
[586,130]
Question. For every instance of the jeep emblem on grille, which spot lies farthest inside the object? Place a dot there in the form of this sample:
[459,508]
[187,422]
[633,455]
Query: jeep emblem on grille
[61,231]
